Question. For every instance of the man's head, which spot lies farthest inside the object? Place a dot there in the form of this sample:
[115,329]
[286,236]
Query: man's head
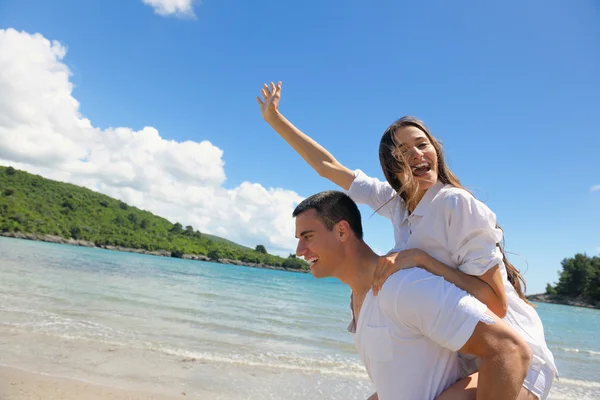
[328,224]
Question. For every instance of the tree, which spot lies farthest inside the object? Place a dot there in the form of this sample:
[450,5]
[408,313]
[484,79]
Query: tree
[575,275]
[177,228]
[10,171]
[293,263]
[76,232]
[593,290]
[580,277]
[177,253]
[216,254]
[189,230]
[18,217]
[250,257]
[133,218]
[261,249]
[68,204]
[550,289]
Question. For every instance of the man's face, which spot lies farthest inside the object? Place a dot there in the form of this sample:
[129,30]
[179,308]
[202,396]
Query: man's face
[318,245]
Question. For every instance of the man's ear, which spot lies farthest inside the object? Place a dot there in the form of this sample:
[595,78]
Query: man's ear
[343,230]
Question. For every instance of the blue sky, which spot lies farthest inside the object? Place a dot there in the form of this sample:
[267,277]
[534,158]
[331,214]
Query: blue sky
[512,89]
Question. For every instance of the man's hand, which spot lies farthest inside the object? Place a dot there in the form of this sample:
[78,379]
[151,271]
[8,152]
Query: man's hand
[269,103]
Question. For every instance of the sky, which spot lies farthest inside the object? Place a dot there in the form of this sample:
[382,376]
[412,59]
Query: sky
[153,102]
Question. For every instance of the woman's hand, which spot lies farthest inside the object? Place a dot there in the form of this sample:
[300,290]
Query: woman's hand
[269,102]
[394,262]
[487,288]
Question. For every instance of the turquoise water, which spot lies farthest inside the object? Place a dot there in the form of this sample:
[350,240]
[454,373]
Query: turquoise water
[231,332]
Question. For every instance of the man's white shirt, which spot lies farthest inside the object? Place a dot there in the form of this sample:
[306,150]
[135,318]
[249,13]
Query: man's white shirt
[408,335]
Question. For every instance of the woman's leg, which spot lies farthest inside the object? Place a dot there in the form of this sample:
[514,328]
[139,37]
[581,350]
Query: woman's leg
[466,389]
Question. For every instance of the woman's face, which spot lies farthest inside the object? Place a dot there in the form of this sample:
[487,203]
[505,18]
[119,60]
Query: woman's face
[416,149]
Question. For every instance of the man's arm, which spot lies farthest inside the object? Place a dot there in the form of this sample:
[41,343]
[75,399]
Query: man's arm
[505,359]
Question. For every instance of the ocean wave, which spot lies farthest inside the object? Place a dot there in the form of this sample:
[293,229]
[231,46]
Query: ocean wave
[578,383]
[573,389]
[330,364]
[288,362]
[77,326]
[68,328]
[582,351]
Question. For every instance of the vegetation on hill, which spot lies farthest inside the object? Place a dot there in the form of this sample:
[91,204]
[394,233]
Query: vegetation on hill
[578,283]
[580,277]
[33,204]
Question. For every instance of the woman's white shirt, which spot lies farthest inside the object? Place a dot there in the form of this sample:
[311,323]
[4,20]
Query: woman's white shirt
[460,231]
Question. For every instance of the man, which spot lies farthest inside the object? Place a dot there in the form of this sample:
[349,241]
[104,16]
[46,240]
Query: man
[408,336]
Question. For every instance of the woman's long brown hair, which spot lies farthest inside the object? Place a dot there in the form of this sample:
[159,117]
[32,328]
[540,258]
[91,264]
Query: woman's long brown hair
[393,164]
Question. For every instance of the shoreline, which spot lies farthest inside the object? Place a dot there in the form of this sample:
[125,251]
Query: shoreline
[564,300]
[160,253]
[539,297]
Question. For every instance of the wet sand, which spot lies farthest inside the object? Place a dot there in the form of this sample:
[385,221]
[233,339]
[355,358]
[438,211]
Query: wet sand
[17,384]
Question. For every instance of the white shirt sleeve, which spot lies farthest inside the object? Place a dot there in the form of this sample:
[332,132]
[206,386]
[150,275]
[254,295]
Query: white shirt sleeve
[372,192]
[429,305]
[472,233]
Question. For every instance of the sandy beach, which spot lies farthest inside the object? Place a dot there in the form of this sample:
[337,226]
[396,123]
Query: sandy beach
[17,384]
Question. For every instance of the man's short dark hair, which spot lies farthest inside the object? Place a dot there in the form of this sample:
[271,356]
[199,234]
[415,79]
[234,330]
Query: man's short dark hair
[333,206]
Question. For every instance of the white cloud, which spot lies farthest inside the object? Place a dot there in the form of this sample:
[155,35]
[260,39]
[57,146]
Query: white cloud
[179,8]
[42,131]
[595,188]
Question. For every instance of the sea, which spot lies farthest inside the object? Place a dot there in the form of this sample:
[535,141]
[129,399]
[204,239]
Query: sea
[209,330]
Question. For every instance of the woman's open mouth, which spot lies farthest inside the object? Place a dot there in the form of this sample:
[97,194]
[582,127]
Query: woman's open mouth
[421,169]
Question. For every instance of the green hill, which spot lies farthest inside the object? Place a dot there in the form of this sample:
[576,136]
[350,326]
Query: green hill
[219,239]
[35,205]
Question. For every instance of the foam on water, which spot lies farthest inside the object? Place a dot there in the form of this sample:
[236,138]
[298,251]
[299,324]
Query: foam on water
[582,351]
[235,332]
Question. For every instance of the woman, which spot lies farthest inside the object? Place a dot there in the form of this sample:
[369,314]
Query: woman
[438,225]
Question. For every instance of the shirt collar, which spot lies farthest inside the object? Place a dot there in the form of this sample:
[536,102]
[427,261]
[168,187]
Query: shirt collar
[430,194]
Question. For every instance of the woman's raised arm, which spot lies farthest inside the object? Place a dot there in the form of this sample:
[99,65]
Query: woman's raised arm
[312,152]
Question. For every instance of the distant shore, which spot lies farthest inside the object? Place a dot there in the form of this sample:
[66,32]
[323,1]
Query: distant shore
[564,300]
[161,253]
